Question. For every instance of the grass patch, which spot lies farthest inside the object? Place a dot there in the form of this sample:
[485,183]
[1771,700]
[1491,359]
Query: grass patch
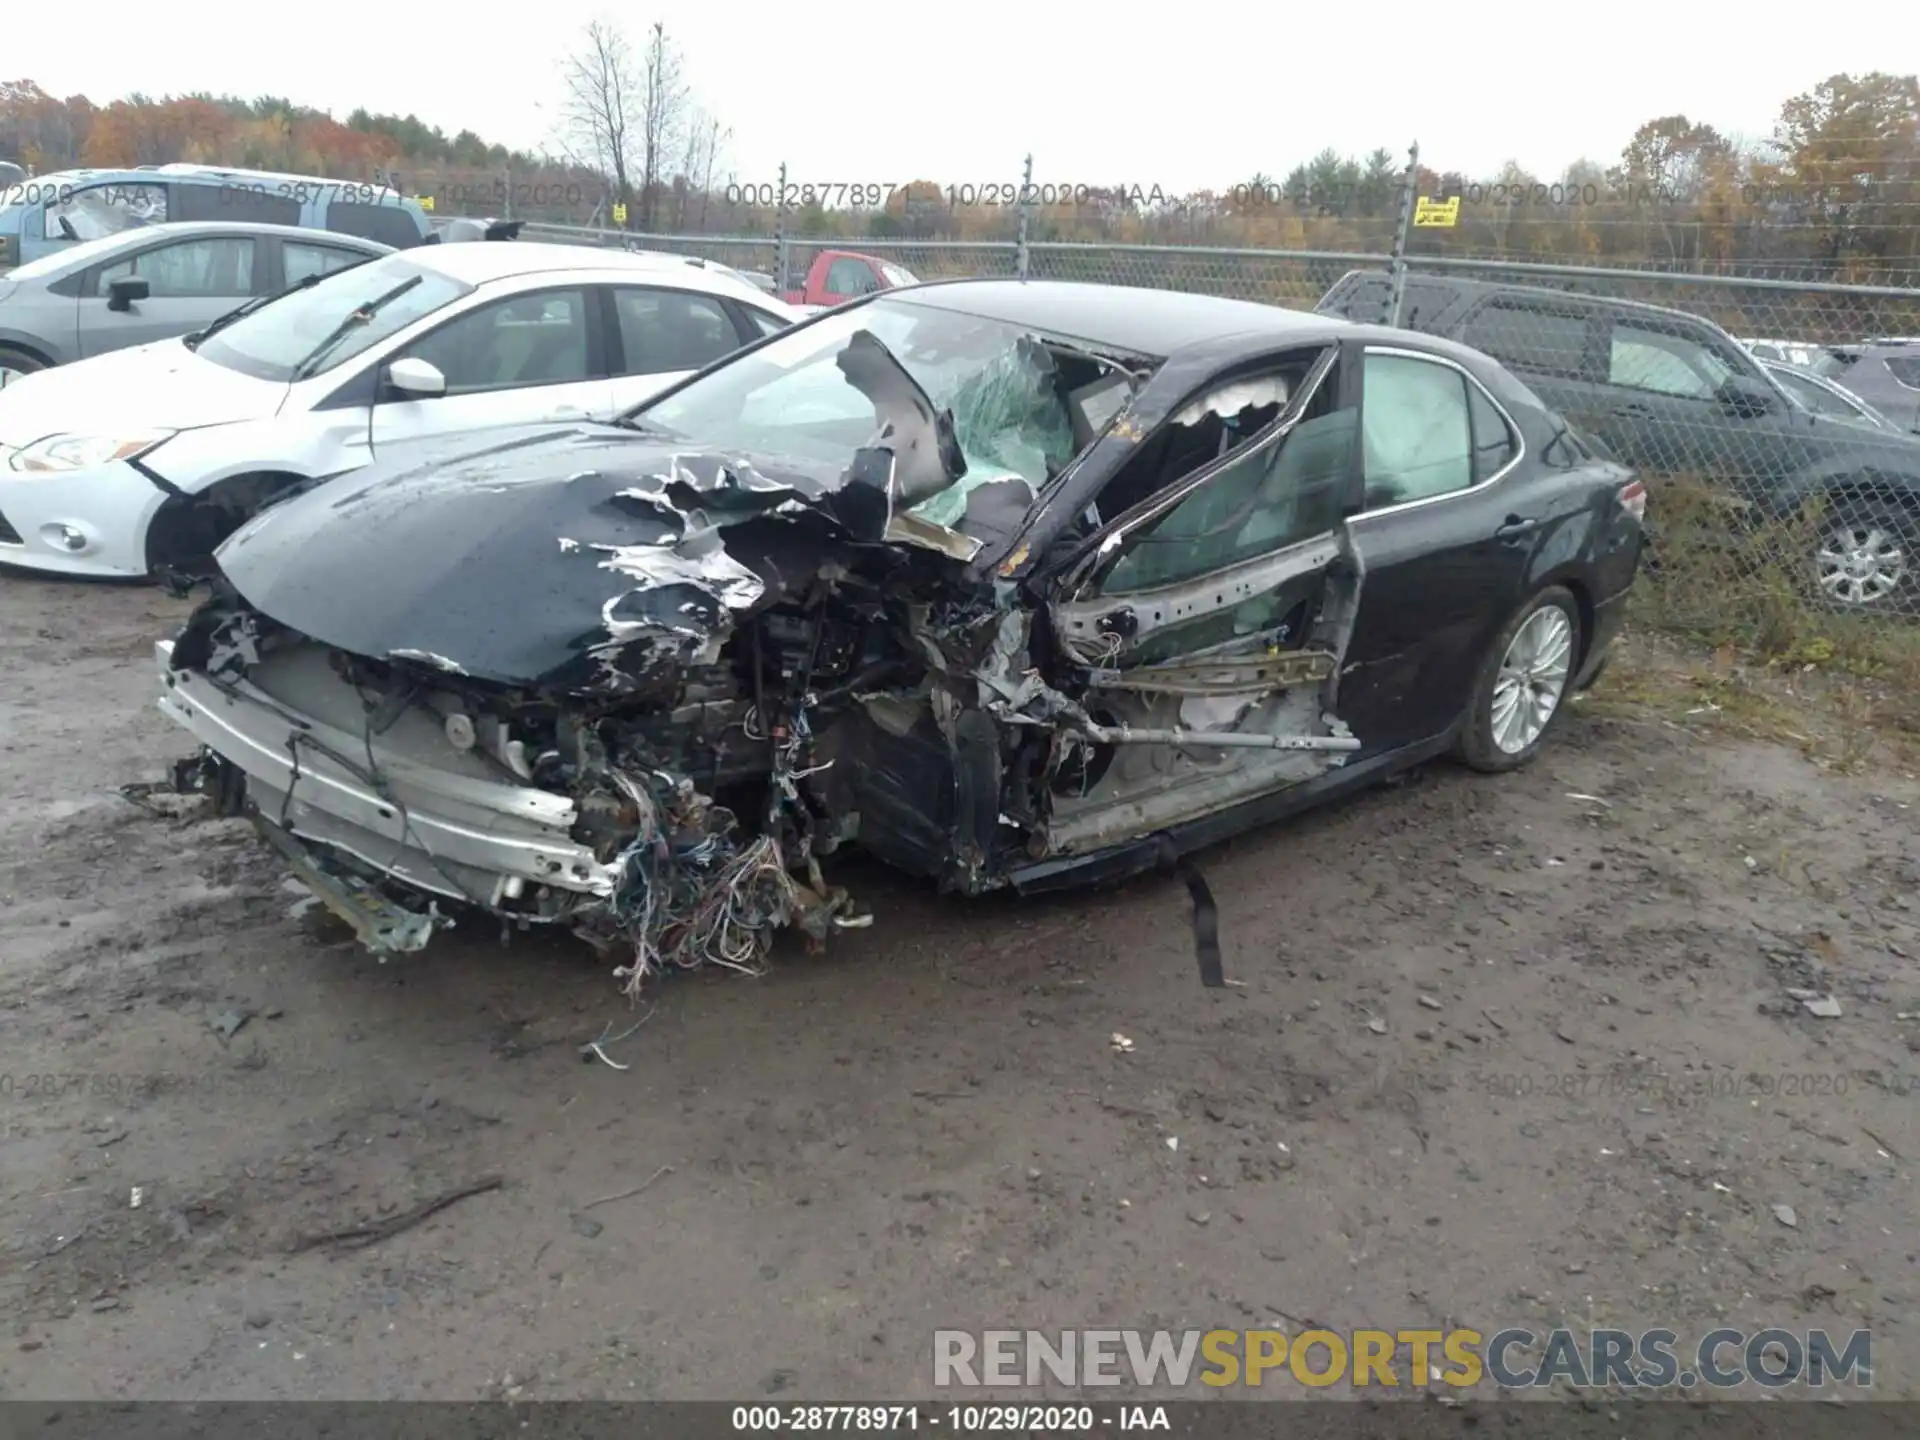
[1834,719]
[1756,648]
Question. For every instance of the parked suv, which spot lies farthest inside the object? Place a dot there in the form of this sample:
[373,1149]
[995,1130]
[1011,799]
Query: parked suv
[1673,394]
[51,212]
[1823,397]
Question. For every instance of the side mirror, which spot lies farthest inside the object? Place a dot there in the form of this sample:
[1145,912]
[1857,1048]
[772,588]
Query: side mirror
[124,290]
[1747,397]
[415,378]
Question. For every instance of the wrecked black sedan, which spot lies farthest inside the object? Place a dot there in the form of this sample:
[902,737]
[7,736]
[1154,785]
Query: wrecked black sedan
[1007,583]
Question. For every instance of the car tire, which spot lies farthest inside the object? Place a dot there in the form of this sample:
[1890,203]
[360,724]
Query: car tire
[1864,561]
[17,362]
[1524,683]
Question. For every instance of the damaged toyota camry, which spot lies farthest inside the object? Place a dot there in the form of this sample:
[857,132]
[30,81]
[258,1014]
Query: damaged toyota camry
[1007,583]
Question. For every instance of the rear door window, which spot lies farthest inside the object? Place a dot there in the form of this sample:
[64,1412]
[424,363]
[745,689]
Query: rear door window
[1643,359]
[666,330]
[538,338]
[235,201]
[1416,430]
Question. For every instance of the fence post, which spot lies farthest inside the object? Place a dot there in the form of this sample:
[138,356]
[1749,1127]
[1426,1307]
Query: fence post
[780,232]
[1020,256]
[1397,265]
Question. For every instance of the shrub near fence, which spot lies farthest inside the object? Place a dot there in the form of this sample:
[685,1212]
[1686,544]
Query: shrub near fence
[1730,564]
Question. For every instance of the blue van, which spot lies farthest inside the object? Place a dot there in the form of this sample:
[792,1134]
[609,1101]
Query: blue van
[46,213]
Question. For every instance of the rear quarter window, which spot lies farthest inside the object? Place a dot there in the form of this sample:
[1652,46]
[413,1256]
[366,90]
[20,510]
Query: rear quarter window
[389,224]
[1362,297]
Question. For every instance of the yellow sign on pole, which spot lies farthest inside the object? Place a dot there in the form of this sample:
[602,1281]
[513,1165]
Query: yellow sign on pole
[426,202]
[1444,213]
[619,214]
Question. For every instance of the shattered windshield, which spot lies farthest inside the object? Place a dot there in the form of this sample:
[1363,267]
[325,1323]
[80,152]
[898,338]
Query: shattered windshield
[795,396]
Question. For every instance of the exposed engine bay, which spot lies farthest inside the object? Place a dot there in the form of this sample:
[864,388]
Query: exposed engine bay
[641,690]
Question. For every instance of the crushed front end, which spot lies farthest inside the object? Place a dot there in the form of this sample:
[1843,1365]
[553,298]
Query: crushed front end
[610,681]
[671,815]
[538,810]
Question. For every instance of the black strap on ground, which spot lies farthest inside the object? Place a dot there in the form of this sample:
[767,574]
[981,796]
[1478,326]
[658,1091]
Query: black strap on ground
[1206,915]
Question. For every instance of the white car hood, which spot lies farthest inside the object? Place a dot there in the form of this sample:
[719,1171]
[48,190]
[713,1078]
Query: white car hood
[159,386]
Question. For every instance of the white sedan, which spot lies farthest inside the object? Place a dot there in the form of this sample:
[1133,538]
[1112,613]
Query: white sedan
[145,459]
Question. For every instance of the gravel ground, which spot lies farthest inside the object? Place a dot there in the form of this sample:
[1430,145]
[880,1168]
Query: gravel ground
[1502,1051]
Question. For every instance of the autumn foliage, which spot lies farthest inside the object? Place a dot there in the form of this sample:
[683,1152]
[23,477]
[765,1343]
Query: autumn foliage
[463,172]
[1834,193]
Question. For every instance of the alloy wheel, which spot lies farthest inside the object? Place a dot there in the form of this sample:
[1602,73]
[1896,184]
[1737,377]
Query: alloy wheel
[1860,563]
[1532,678]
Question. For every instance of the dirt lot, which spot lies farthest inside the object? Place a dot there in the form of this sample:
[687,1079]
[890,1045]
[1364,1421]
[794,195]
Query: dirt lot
[1431,1100]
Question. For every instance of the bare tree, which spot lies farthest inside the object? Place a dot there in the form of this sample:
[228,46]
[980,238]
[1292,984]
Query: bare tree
[716,143]
[663,113]
[705,139]
[604,97]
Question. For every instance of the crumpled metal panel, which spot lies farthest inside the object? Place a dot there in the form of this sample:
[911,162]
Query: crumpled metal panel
[628,553]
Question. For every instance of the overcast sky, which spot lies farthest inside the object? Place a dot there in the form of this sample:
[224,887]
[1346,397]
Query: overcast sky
[1179,96]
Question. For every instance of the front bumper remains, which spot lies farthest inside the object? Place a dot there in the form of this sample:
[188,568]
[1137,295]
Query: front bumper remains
[315,788]
[91,524]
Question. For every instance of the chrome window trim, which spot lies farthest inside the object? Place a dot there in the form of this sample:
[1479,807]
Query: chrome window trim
[1513,430]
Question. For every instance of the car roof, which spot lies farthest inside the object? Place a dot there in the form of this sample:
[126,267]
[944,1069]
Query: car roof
[191,170]
[1163,323]
[1157,323]
[90,252]
[477,262]
[1464,287]
[187,228]
[207,174]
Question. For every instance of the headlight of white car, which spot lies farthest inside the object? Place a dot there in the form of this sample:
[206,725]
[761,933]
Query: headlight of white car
[56,454]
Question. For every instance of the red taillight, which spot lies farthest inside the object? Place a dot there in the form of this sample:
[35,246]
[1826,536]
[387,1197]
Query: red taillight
[1633,499]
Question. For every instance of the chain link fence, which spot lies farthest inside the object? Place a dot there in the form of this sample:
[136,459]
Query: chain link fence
[1785,491]
[1777,423]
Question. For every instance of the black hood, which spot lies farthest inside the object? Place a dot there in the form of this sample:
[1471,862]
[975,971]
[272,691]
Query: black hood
[577,558]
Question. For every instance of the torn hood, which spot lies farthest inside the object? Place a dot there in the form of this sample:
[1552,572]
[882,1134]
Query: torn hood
[580,558]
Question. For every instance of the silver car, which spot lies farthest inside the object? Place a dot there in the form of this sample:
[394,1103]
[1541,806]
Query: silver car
[1885,372]
[153,284]
[1821,396]
[1785,352]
